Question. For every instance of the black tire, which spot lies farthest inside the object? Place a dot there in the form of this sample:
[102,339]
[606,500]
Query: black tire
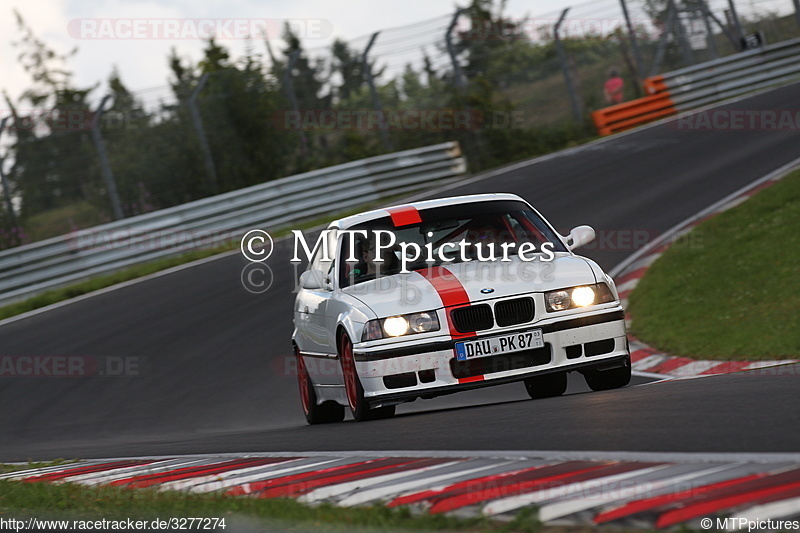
[614,378]
[359,407]
[546,385]
[315,413]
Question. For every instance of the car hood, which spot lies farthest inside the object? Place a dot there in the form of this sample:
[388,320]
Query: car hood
[415,291]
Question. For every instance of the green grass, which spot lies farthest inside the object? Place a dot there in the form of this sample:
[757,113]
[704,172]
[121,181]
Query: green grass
[101,282]
[729,289]
[51,223]
[75,502]
[6,468]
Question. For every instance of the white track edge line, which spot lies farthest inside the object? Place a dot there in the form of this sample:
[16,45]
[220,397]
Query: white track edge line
[664,237]
[548,455]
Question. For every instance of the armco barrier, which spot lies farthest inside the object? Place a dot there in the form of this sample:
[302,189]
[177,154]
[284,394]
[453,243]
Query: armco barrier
[704,84]
[629,114]
[34,268]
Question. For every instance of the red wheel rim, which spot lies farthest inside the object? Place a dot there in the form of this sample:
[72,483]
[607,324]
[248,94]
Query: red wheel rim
[349,371]
[302,378]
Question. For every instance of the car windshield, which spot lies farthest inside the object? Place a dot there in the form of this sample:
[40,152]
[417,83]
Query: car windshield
[483,227]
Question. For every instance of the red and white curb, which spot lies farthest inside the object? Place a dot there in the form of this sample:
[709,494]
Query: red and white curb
[644,491]
[627,275]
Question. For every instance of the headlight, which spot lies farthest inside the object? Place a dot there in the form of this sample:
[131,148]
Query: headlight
[394,326]
[397,326]
[558,300]
[582,296]
[422,322]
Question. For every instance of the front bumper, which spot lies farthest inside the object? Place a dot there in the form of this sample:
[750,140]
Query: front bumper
[405,372]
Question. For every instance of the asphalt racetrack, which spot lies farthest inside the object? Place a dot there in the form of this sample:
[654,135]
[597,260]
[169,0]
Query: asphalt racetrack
[209,367]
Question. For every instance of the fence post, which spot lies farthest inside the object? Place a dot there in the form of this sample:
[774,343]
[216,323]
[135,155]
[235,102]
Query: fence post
[376,101]
[105,166]
[473,141]
[637,56]
[562,57]
[686,48]
[712,43]
[662,42]
[796,11]
[723,27]
[288,87]
[208,161]
[736,23]
[458,76]
[4,182]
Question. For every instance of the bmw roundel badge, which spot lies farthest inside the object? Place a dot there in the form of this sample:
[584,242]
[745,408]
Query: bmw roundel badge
[487,290]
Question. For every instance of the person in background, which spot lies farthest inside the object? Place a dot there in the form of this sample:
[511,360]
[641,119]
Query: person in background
[613,87]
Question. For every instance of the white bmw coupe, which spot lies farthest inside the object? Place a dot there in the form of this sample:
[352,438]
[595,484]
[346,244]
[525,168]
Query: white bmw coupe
[445,295]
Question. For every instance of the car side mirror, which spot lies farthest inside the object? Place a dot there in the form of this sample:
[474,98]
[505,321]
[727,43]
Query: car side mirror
[579,236]
[314,279]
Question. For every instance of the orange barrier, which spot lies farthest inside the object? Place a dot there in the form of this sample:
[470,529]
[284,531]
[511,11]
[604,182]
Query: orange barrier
[626,115]
[655,85]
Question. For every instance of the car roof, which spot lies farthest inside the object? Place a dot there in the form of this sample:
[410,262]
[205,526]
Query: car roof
[347,222]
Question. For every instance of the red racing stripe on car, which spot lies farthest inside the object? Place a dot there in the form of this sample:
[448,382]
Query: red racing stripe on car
[450,291]
[447,286]
[404,216]
[470,379]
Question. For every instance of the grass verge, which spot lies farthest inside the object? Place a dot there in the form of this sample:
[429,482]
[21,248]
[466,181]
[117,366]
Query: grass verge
[80,503]
[100,282]
[729,288]
[17,467]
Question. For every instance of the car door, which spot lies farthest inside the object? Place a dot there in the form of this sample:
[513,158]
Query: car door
[313,323]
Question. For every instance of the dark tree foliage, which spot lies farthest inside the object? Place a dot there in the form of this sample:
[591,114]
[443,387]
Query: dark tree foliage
[51,127]
[244,106]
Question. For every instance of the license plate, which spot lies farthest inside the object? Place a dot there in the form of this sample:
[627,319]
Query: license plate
[513,342]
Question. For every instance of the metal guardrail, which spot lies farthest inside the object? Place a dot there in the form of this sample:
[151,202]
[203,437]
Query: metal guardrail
[704,84]
[34,268]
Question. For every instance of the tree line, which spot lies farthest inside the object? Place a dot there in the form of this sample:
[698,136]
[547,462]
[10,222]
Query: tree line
[249,107]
